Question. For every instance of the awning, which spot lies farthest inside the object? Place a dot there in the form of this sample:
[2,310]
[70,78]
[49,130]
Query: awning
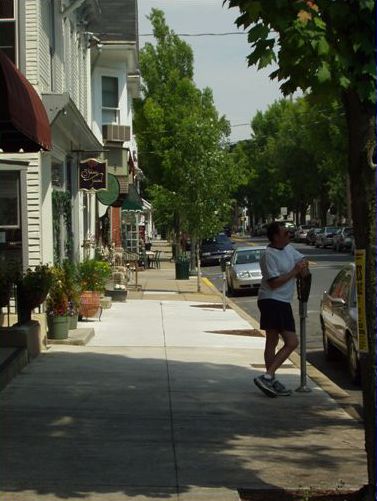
[23,119]
[66,119]
[133,201]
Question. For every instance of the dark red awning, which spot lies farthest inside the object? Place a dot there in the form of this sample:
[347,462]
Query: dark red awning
[23,118]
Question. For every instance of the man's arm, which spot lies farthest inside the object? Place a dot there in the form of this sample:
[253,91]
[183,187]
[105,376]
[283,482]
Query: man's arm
[300,267]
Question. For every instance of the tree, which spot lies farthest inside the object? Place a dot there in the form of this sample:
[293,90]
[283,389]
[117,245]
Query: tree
[328,47]
[181,138]
[296,154]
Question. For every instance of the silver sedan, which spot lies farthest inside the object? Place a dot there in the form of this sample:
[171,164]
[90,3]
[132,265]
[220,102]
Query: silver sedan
[243,271]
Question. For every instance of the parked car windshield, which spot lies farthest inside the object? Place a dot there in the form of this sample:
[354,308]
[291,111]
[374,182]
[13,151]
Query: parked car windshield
[249,256]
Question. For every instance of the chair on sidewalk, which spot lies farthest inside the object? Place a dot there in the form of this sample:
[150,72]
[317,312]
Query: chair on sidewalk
[154,261]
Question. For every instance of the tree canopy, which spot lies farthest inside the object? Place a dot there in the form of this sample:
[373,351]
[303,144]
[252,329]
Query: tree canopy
[296,154]
[181,138]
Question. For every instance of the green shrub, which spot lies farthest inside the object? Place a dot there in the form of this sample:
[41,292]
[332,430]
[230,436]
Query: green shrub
[94,274]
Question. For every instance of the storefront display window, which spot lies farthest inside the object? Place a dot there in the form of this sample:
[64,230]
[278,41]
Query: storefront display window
[10,218]
[9,200]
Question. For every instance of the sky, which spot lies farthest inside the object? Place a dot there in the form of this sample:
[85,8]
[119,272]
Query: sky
[219,61]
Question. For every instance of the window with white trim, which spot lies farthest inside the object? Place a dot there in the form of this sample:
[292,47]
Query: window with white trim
[110,100]
[8,29]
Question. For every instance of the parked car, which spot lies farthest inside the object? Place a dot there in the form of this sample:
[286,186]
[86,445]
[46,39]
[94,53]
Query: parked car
[325,236]
[338,316]
[301,233]
[312,235]
[343,239]
[214,249]
[243,272]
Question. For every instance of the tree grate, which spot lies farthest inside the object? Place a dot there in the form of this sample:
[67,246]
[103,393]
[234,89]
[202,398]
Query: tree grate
[239,332]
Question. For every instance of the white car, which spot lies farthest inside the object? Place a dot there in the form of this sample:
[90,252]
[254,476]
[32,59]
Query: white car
[301,233]
[243,271]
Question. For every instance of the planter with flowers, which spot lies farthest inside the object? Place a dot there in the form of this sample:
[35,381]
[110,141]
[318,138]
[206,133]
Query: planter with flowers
[57,307]
[32,289]
[94,275]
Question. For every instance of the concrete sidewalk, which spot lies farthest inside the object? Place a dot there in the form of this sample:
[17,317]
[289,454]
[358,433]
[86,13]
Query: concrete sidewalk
[161,405]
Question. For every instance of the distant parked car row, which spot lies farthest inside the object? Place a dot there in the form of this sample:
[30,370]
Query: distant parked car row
[338,239]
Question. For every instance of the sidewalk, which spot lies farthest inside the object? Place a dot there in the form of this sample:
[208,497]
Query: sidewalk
[160,405]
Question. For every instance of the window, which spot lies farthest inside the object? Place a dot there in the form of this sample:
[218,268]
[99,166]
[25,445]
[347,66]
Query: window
[340,288]
[57,174]
[8,28]
[110,100]
[9,200]
[246,257]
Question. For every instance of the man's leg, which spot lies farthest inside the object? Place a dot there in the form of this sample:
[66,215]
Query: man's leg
[290,344]
[272,339]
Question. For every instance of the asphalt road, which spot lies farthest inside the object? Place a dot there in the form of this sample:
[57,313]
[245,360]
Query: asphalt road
[324,265]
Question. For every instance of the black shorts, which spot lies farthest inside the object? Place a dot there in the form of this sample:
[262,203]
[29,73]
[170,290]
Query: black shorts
[276,315]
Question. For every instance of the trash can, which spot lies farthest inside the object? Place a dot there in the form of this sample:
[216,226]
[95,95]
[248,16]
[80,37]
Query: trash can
[182,268]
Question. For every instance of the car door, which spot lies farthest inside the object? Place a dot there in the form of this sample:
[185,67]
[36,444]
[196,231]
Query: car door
[339,296]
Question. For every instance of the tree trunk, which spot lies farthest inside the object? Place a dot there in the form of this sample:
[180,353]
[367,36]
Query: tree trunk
[193,253]
[361,129]
[197,246]
[323,208]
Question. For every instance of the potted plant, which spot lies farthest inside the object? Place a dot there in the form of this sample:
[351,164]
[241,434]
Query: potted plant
[32,289]
[57,306]
[93,275]
[72,288]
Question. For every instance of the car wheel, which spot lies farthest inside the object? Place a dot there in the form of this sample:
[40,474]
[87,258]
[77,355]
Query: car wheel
[352,360]
[330,351]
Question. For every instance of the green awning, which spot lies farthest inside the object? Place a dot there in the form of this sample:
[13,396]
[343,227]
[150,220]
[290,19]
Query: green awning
[133,201]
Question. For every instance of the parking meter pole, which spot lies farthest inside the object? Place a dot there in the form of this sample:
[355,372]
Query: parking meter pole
[303,290]
[303,308]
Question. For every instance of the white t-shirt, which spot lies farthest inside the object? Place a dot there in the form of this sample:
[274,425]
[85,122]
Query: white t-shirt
[274,263]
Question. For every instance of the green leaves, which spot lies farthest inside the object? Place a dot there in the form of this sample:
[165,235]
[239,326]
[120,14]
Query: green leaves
[324,74]
[324,45]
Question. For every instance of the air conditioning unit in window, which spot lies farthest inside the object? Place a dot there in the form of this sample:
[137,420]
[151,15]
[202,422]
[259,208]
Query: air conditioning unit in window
[116,133]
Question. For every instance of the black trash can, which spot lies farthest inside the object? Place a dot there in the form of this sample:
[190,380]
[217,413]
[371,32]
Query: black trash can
[182,268]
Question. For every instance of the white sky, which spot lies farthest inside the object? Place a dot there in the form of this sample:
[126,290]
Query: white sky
[219,62]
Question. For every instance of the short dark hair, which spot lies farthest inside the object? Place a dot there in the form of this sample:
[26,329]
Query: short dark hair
[273,229]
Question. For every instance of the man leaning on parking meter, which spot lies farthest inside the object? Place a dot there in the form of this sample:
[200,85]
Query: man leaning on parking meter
[281,263]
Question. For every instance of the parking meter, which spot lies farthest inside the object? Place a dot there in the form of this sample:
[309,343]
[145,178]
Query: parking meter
[303,290]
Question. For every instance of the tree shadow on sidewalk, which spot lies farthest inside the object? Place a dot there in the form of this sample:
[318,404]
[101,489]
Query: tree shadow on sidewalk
[117,423]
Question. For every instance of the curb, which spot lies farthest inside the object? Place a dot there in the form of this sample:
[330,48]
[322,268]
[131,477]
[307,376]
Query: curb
[331,388]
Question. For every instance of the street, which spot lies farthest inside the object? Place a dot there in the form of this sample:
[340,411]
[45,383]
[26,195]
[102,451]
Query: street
[324,265]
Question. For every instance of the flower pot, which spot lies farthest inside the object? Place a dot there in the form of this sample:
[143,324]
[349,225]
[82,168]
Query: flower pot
[72,322]
[57,327]
[90,302]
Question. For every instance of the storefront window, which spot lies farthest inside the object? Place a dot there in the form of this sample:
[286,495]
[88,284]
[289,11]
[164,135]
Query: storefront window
[57,174]
[10,218]
[9,200]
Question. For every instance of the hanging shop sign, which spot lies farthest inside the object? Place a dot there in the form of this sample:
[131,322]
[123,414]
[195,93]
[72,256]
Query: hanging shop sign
[93,175]
[111,194]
